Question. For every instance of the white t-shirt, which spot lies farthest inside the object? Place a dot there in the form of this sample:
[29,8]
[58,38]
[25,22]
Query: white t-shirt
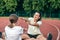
[33,30]
[1,39]
[13,33]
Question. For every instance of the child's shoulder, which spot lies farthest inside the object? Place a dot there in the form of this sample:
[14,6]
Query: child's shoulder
[19,27]
[6,26]
[15,27]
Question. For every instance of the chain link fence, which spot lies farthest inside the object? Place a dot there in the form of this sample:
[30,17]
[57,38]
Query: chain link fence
[24,14]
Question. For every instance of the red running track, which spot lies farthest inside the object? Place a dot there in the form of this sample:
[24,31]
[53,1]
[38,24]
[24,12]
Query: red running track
[45,27]
[54,22]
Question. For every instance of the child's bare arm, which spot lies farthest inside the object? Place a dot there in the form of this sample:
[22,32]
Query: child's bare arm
[3,35]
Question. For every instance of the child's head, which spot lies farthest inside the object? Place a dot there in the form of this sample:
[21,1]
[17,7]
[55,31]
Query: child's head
[13,18]
[0,34]
[37,16]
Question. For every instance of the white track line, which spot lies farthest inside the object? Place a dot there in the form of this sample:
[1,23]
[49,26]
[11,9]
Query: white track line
[56,28]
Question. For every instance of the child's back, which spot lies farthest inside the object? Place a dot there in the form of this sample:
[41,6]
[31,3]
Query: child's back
[13,33]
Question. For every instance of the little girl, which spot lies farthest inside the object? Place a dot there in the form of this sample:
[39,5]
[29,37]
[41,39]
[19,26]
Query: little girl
[13,32]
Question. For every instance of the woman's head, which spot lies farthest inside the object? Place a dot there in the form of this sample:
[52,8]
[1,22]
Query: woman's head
[37,16]
[13,18]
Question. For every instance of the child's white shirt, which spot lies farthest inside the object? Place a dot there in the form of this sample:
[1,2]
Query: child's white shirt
[1,39]
[13,33]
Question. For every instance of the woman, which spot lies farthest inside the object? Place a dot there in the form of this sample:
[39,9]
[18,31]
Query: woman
[13,32]
[33,28]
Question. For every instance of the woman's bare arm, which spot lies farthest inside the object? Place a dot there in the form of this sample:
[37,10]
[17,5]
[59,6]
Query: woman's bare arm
[26,19]
[35,24]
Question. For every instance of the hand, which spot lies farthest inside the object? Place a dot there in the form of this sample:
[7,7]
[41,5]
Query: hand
[33,23]
[28,23]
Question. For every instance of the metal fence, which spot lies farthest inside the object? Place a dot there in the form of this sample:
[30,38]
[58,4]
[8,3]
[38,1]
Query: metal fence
[24,14]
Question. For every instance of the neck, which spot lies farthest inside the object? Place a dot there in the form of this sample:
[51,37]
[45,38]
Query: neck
[12,25]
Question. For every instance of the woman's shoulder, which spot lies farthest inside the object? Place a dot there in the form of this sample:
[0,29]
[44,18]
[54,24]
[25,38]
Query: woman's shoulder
[39,22]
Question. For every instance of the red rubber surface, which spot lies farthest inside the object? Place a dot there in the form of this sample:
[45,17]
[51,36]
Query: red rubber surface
[45,27]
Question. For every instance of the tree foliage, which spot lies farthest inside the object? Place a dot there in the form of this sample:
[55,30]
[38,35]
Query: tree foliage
[46,6]
[7,5]
[2,6]
[10,5]
[33,5]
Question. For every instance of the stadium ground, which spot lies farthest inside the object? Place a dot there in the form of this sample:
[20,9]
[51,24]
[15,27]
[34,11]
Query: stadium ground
[48,26]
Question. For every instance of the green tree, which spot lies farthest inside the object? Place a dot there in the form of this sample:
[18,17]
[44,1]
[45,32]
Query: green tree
[27,5]
[2,6]
[38,4]
[10,5]
[7,5]
[33,5]
[50,6]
